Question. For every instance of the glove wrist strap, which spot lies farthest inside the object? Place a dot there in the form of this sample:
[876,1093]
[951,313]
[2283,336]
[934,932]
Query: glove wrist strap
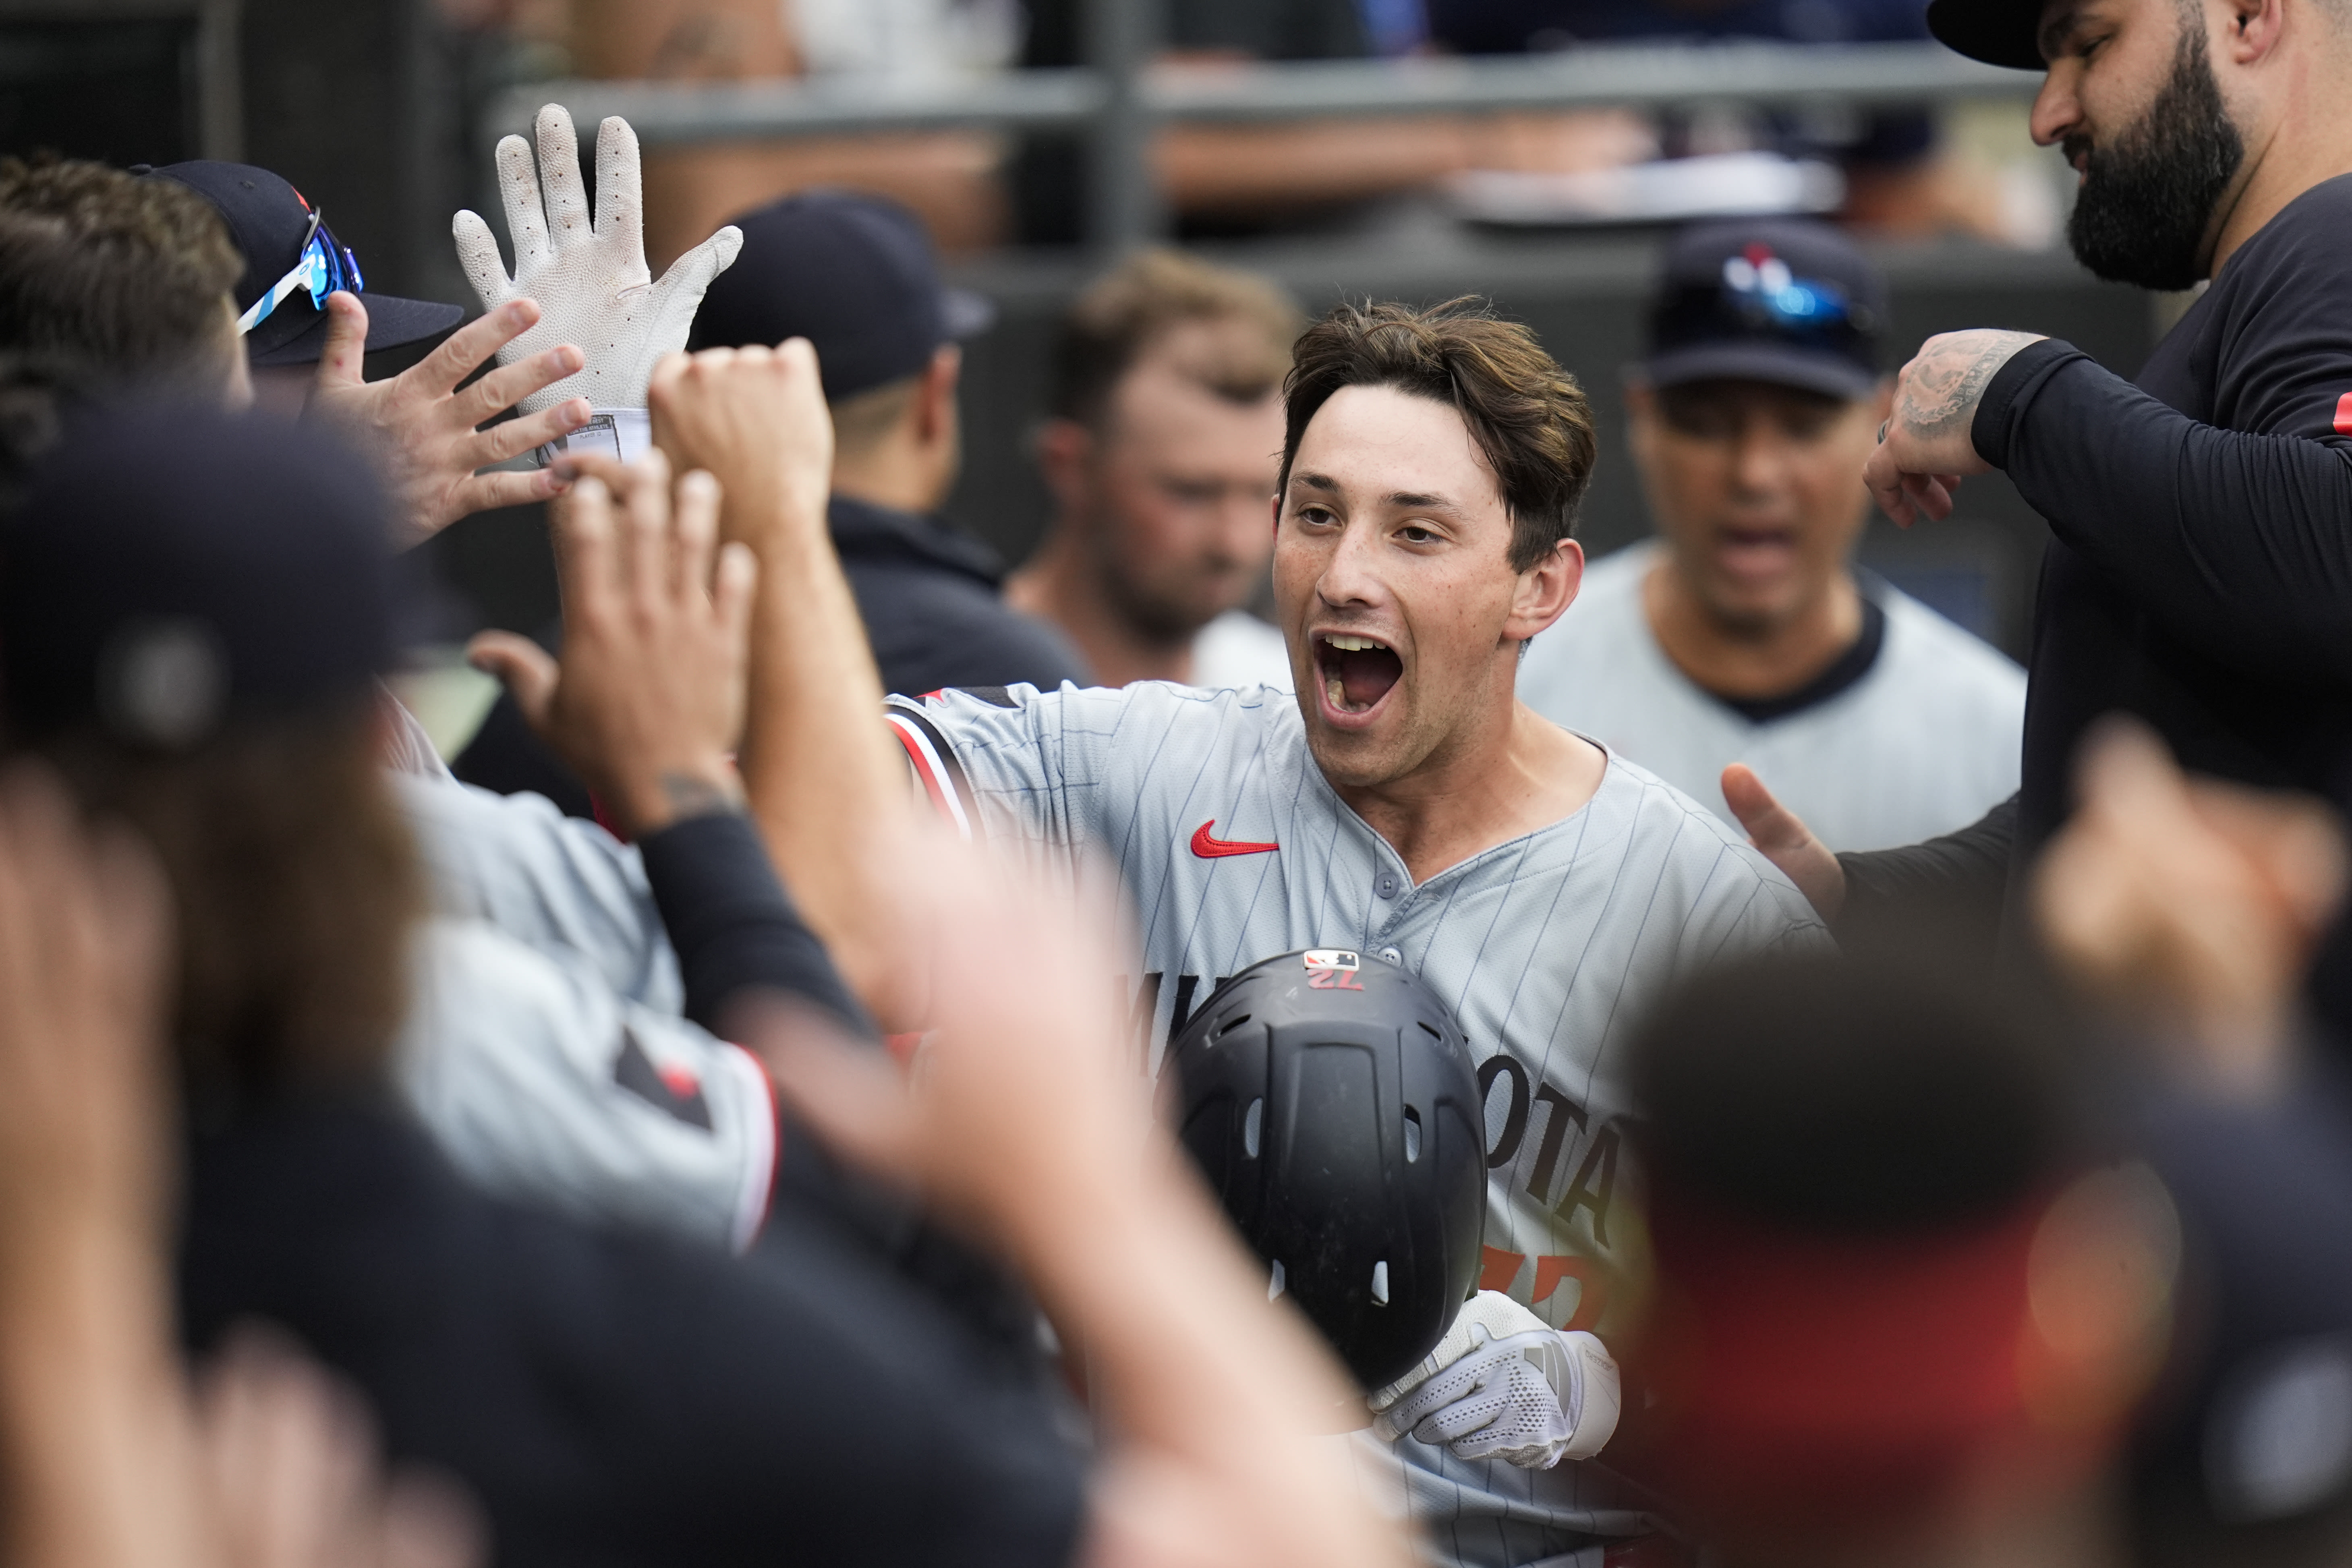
[619,433]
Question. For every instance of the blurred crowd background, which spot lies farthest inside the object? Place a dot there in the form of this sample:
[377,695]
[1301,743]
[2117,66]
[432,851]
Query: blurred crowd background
[991,120]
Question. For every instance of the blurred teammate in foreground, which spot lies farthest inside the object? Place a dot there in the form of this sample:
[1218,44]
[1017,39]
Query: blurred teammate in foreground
[1945,1280]
[545,1046]
[1403,805]
[611,1396]
[1904,1303]
[1745,633]
[1161,449]
[2188,910]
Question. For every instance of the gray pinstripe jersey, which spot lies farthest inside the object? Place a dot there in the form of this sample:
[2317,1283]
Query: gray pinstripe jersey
[1234,849]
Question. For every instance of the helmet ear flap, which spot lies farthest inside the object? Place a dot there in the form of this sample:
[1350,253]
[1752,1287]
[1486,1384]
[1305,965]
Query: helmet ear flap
[1331,1106]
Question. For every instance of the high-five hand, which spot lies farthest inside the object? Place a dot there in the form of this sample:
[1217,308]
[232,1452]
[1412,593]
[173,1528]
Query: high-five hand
[1780,837]
[423,426]
[647,702]
[592,283]
[1926,448]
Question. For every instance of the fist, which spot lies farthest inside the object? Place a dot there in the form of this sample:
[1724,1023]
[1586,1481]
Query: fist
[1927,446]
[756,419]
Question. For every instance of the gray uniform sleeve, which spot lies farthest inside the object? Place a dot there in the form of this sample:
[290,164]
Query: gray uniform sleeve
[1013,764]
[546,1049]
[556,883]
[544,1085]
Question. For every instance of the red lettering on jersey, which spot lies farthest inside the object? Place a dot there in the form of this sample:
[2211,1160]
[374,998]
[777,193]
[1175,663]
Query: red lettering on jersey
[1592,1296]
[1209,846]
[2344,415]
[1498,1267]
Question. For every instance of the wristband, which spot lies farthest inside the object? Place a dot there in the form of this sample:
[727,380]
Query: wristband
[623,434]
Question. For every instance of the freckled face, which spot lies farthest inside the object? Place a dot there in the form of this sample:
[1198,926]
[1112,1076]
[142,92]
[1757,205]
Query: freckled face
[1392,583]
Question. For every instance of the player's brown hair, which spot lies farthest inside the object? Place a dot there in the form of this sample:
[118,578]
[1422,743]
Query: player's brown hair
[130,274]
[1528,416]
[295,886]
[1134,308]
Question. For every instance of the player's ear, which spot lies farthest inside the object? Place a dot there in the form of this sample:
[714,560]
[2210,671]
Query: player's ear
[937,391]
[2255,26]
[1545,591]
[1065,448]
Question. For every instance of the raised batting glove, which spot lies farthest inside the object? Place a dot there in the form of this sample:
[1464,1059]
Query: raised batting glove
[591,282]
[1504,1385]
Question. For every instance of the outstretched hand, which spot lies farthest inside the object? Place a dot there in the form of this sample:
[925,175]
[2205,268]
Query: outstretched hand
[2187,906]
[84,922]
[290,1455]
[1782,838]
[590,280]
[1926,446]
[646,703]
[423,426]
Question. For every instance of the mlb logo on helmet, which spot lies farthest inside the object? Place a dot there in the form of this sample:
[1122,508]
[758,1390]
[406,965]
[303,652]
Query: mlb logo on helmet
[1331,969]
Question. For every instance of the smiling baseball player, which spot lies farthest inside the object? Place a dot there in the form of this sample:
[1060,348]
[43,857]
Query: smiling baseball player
[1404,804]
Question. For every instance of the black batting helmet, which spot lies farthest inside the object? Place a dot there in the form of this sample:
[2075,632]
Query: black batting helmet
[1329,1100]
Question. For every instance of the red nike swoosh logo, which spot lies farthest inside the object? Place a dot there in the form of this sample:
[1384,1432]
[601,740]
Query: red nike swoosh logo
[1208,847]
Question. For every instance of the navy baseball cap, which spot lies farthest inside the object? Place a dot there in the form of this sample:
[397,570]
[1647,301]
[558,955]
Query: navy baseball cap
[1772,299]
[853,274]
[1997,32]
[2251,1428]
[268,220]
[170,570]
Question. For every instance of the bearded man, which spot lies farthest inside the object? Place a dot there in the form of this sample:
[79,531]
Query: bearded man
[2200,576]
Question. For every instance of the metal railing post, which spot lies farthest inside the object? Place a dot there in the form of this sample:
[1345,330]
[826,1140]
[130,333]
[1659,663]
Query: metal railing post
[220,92]
[1123,203]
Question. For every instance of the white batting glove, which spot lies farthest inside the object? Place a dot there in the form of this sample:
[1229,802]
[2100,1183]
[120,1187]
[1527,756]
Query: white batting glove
[592,284]
[1505,1384]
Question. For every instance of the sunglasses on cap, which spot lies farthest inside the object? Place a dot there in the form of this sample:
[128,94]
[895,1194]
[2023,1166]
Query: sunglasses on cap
[1756,297]
[1764,290]
[322,265]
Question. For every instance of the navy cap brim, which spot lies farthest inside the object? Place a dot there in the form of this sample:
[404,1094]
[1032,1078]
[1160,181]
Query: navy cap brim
[1997,32]
[1831,375]
[391,321]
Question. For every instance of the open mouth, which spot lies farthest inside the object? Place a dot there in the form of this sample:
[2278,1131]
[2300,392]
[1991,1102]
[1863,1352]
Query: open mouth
[1356,672]
[1751,552]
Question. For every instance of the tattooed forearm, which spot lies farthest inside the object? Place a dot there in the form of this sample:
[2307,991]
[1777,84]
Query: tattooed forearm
[1942,387]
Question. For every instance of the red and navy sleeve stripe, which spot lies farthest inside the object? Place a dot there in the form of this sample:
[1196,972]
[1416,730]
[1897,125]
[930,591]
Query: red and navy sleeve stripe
[934,767]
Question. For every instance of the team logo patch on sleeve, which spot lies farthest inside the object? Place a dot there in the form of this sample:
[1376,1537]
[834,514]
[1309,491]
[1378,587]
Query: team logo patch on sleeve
[2344,415]
[673,1089]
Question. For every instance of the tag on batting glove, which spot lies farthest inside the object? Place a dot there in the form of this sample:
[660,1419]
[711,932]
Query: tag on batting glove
[1504,1385]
